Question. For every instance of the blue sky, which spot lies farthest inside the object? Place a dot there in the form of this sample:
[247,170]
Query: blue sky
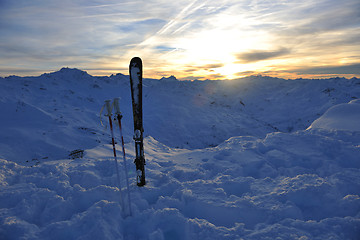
[191,39]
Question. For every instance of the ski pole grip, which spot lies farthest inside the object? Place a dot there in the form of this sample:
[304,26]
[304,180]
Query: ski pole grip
[117,105]
[108,107]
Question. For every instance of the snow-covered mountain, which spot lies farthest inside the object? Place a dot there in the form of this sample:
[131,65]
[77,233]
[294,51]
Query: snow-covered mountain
[55,113]
[253,158]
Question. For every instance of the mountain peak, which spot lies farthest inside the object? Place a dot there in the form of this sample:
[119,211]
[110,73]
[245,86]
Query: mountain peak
[169,79]
[70,72]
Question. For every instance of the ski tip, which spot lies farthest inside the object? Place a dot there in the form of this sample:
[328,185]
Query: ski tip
[135,62]
[135,59]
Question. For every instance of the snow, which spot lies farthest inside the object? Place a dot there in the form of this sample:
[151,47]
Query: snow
[344,116]
[254,158]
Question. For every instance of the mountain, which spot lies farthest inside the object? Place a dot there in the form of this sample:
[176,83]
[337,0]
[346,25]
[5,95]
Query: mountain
[252,158]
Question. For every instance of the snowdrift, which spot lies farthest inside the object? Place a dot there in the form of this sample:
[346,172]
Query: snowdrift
[254,158]
[344,116]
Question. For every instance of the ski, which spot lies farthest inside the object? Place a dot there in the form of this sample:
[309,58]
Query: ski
[135,70]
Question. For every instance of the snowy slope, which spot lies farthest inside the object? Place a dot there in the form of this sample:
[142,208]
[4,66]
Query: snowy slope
[254,158]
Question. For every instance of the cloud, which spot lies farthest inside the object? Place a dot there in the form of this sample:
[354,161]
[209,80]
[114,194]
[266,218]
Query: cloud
[323,24]
[142,26]
[212,65]
[331,15]
[207,67]
[260,55]
[246,73]
[335,69]
[161,48]
[193,15]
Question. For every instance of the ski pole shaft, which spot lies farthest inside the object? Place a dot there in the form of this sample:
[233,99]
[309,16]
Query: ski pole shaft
[116,162]
[125,164]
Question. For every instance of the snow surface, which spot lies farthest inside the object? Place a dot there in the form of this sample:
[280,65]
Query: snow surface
[254,158]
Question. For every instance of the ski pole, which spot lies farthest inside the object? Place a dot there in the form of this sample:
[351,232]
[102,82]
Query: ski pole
[119,116]
[109,114]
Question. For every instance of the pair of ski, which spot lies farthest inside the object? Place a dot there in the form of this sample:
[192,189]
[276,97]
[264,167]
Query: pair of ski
[135,70]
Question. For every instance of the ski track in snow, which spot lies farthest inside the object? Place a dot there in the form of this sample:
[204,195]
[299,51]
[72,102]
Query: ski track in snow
[256,158]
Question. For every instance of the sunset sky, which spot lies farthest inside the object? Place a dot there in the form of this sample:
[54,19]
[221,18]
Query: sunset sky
[191,39]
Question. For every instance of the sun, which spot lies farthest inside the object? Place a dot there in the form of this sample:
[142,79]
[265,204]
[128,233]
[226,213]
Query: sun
[217,47]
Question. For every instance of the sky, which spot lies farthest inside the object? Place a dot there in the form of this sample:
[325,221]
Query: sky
[191,39]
